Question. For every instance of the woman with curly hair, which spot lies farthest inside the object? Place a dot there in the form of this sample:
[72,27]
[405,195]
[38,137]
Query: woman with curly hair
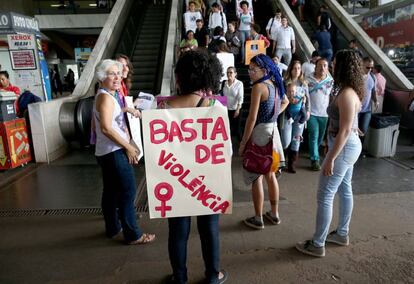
[344,149]
[197,74]
[296,113]
[267,101]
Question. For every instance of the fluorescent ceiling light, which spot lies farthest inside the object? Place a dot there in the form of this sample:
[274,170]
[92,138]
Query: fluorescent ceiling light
[56,5]
[92,5]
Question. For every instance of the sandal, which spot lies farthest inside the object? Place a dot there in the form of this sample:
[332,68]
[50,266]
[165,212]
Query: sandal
[144,239]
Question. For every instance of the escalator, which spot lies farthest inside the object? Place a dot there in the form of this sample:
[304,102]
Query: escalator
[143,40]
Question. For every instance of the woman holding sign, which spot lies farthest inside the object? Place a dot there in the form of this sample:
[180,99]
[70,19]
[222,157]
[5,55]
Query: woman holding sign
[197,74]
[267,101]
[115,155]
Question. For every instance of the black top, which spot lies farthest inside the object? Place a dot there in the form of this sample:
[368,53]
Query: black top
[200,36]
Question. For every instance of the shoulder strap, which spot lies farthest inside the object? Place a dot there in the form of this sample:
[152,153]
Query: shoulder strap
[200,102]
[271,25]
[222,19]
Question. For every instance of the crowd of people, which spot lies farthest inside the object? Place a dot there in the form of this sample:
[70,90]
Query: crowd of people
[330,94]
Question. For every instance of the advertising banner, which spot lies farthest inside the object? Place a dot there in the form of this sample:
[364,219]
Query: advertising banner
[23,59]
[11,23]
[14,144]
[188,161]
[21,41]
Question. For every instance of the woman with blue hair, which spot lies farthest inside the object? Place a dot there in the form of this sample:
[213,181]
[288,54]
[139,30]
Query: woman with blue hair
[267,101]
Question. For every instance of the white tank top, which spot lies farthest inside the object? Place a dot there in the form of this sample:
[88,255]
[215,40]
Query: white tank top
[104,145]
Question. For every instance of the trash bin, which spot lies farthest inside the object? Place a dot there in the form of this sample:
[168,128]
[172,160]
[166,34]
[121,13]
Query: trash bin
[7,110]
[381,138]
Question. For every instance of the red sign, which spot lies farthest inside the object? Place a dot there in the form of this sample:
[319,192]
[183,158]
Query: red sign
[14,144]
[23,59]
[394,34]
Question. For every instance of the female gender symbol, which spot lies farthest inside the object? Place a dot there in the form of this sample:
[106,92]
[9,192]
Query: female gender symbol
[163,197]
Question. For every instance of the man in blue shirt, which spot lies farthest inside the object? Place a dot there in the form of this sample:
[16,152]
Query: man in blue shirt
[323,37]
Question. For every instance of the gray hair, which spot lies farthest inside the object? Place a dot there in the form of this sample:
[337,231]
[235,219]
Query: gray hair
[103,66]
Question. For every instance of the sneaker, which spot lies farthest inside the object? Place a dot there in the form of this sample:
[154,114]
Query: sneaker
[253,223]
[315,166]
[273,220]
[333,237]
[309,248]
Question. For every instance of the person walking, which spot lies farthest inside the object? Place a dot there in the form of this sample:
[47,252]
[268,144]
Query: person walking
[320,85]
[267,101]
[296,114]
[284,43]
[323,38]
[344,150]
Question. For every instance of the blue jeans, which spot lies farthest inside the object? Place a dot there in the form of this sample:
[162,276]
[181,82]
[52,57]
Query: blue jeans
[339,182]
[179,230]
[363,121]
[244,36]
[119,191]
[326,53]
[316,131]
[292,135]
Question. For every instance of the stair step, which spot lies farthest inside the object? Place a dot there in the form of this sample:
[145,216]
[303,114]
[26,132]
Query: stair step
[143,77]
[141,70]
[145,52]
[145,57]
[143,85]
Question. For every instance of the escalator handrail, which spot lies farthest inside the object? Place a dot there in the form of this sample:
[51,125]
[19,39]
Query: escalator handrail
[351,29]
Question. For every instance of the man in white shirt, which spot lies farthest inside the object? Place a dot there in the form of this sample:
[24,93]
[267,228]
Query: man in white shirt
[273,24]
[308,68]
[217,18]
[284,43]
[191,17]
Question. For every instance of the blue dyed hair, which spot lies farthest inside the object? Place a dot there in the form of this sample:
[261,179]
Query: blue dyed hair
[272,72]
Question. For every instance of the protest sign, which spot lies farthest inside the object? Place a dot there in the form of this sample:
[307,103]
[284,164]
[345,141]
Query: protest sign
[187,161]
[135,127]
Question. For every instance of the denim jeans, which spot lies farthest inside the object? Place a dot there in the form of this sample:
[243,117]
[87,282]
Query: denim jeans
[235,125]
[363,121]
[316,131]
[179,230]
[326,53]
[244,36]
[292,135]
[341,182]
[119,191]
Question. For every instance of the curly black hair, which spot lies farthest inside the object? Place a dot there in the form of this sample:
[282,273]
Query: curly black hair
[348,71]
[197,70]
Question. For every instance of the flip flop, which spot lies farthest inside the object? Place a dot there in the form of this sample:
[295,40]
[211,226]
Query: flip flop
[144,239]
[224,278]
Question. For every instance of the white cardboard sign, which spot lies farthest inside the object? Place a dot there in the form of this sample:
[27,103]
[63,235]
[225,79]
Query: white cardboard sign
[188,161]
[135,127]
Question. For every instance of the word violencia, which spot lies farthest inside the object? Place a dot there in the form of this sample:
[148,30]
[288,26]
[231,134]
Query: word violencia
[195,185]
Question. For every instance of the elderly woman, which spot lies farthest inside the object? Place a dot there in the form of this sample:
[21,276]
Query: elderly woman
[267,101]
[344,149]
[197,73]
[115,155]
[296,113]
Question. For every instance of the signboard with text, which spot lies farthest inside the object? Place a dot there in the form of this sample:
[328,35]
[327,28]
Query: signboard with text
[23,59]
[188,161]
[135,127]
[21,41]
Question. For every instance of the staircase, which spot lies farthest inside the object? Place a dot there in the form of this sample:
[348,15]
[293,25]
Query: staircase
[148,53]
